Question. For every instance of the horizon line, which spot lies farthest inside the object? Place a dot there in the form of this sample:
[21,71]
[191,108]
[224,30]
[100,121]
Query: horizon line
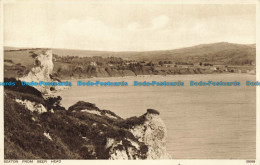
[128,50]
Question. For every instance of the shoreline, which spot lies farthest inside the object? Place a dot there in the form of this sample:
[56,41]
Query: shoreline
[143,76]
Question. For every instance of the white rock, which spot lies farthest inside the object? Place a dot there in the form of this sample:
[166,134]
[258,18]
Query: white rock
[43,67]
[119,155]
[32,106]
[41,71]
[153,133]
[92,111]
[110,116]
[47,135]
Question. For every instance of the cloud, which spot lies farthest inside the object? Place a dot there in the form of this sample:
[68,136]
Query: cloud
[91,33]
[133,26]
[118,30]
[160,22]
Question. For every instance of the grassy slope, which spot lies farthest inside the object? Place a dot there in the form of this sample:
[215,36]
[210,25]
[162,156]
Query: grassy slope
[215,52]
[75,134]
[223,50]
[22,57]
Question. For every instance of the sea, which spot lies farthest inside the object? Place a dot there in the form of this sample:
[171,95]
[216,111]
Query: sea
[203,122]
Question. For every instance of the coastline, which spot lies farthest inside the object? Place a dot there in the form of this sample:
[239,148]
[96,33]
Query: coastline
[157,76]
[177,105]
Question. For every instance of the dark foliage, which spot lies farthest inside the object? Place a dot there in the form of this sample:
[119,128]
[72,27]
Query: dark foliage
[7,60]
[54,103]
[152,111]
[74,134]
[18,87]
[131,122]
[80,105]
[26,136]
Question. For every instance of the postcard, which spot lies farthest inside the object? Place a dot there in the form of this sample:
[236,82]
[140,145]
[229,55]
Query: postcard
[92,82]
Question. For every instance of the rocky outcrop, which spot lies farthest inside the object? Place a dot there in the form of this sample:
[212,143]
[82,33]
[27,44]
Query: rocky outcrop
[142,137]
[41,71]
[32,106]
[152,133]
[82,132]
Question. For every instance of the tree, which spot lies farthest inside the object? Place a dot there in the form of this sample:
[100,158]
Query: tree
[54,103]
[59,69]
[150,64]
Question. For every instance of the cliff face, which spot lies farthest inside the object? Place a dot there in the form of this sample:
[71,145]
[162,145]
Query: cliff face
[81,132]
[144,137]
[32,106]
[152,133]
[42,69]
[43,129]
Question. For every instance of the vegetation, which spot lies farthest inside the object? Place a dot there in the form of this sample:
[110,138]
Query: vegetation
[24,137]
[131,122]
[18,87]
[191,60]
[84,64]
[152,111]
[53,103]
[80,105]
[73,134]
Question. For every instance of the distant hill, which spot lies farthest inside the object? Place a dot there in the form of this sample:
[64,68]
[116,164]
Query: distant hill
[222,52]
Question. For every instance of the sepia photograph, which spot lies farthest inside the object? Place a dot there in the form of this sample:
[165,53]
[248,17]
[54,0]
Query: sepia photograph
[111,80]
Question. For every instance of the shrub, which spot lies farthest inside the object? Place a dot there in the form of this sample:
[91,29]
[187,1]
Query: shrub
[131,122]
[11,61]
[23,89]
[80,105]
[54,103]
[152,111]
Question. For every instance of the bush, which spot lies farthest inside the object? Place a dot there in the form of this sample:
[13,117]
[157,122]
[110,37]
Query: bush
[54,103]
[23,89]
[11,61]
[152,111]
[80,105]
[131,122]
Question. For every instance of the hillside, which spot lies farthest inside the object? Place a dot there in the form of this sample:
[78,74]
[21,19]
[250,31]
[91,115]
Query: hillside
[222,52]
[45,130]
[84,64]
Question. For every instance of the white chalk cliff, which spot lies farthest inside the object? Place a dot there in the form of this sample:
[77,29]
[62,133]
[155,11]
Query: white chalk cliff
[143,138]
[152,133]
[41,71]
[43,67]
[32,106]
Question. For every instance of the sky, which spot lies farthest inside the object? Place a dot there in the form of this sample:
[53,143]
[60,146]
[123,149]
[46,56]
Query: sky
[126,27]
